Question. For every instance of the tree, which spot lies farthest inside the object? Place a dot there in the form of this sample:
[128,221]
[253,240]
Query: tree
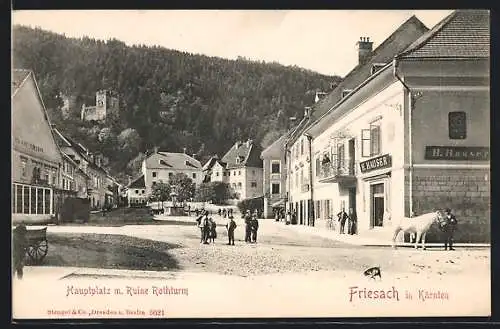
[184,186]
[160,192]
[222,192]
[205,193]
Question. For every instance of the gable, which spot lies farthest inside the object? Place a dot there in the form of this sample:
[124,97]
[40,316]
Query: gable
[31,131]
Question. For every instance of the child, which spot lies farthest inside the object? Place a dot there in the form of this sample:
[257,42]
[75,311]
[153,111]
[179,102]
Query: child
[231,226]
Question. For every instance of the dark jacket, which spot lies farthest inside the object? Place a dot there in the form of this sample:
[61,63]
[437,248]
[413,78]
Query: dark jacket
[342,216]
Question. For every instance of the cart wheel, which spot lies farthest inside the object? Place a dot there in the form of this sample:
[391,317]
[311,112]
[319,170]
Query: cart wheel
[38,251]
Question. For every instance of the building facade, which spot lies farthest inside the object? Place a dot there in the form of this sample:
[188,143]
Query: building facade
[241,168]
[308,198]
[162,166]
[274,177]
[36,159]
[413,137]
[136,192]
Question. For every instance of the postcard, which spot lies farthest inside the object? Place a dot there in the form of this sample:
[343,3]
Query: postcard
[250,164]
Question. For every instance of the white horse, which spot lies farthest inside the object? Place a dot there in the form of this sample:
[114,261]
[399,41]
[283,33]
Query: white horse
[418,225]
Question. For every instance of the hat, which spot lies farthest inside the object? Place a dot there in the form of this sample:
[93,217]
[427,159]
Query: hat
[447,210]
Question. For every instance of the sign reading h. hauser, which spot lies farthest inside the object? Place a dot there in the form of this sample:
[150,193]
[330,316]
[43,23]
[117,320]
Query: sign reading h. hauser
[457,153]
[383,161]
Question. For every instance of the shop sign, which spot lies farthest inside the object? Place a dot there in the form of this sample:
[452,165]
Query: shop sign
[463,153]
[380,162]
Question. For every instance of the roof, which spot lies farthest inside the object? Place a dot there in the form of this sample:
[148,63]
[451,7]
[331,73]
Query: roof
[18,77]
[170,160]
[462,34]
[275,148]
[138,183]
[247,153]
[211,162]
[398,41]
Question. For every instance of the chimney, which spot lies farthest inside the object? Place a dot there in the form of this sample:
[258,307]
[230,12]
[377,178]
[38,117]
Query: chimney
[193,156]
[184,150]
[307,111]
[155,149]
[364,49]
[129,180]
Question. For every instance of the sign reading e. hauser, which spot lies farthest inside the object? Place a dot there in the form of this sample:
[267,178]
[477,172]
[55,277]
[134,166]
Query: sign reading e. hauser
[383,161]
[457,153]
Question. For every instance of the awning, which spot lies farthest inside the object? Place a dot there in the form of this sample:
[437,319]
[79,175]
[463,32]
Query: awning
[279,203]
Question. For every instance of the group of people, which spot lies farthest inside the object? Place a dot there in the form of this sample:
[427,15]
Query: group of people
[350,218]
[225,212]
[251,226]
[208,226]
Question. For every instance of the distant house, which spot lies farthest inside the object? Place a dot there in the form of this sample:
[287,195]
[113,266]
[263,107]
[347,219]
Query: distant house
[162,166]
[107,103]
[36,159]
[240,167]
[274,176]
[136,192]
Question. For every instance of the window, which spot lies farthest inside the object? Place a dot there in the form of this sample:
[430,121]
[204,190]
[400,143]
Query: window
[253,172]
[23,166]
[318,168]
[345,92]
[375,139]
[297,179]
[340,155]
[170,175]
[239,185]
[234,173]
[301,147]
[370,141]
[224,174]
[142,191]
[275,168]
[217,174]
[154,183]
[154,174]
[253,184]
[275,188]
[457,125]
[376,67]
[31,200]
[136,191]
[194,175]
[239,172]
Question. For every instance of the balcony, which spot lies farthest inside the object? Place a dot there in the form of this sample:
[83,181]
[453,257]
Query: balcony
[341,172]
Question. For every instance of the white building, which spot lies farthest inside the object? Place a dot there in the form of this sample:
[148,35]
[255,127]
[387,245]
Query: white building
[162,166]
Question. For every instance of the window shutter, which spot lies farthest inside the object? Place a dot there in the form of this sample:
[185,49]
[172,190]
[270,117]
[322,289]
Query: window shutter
[375,139]
[365,142]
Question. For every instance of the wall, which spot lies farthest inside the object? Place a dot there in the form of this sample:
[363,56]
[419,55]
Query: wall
[163,175]
[252,174]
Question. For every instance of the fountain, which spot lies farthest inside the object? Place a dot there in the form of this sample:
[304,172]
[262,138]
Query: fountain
[174,209]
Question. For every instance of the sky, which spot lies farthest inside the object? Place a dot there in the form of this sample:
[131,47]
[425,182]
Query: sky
[320,40]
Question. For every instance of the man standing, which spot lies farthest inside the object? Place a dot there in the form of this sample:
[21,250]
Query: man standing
[231,226]
[342,217]
[449,228]
[248,222]
[254,228]
[352,222]
[19,249]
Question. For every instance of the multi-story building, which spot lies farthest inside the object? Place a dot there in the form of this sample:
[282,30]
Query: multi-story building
[274,177]
[414,136]
[241,168]
[162,166]
[90,164]
[74,181]
[36,159]
[309,200]
[107,103]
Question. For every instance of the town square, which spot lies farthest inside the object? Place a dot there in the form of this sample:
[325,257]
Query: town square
[151,180]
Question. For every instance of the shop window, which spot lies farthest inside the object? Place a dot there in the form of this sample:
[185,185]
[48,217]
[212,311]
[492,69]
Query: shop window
[457,125]
[275,188]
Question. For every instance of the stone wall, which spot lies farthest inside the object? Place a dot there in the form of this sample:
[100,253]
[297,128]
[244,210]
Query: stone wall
[465,191]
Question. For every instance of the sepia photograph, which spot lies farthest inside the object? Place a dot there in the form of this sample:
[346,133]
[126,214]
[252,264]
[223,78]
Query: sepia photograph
[171,164]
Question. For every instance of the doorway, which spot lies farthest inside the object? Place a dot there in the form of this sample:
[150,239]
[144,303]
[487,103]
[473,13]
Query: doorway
[352,198]
[377,205]
[301,212]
